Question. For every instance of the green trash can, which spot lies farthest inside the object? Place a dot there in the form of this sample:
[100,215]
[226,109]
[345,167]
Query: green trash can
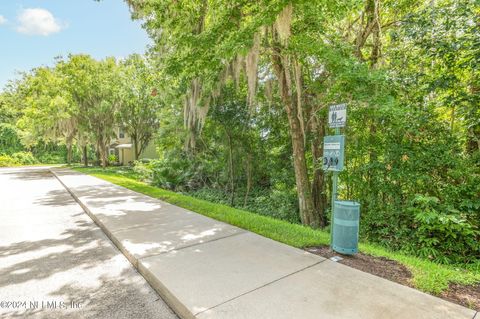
[346,224]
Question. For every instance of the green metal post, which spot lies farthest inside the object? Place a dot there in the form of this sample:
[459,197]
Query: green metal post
[334,197]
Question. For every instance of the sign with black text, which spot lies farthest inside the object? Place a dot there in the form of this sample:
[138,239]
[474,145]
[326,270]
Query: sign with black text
[337,115]
[333,152]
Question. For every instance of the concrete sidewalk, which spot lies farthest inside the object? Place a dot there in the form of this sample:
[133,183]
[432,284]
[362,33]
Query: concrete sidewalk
[208,269]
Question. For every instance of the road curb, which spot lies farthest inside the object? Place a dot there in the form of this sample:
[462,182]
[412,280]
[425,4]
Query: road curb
[177,307]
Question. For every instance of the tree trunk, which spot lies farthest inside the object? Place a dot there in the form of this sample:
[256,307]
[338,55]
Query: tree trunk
[473,139]
[305,199]
[136,151]
[369,23]
[101,152]
[318,183]
[135,146]
[374,20]
[249,177]
[473,133]
[377,29]
[104,152]
[100,155]
[371,176]
[69,153]
[452,119]
[231,168]
[105,156]
[282,67]
[85,155]
[97,155]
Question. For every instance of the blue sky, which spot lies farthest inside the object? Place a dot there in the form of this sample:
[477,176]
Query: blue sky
[34,32]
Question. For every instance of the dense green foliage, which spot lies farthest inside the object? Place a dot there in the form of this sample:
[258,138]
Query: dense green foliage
[408,71]
[235,94]
[71,111]
[9,139]
[14,148]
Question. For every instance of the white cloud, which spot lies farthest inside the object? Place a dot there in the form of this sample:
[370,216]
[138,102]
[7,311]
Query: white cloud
[37,21]
[2,20]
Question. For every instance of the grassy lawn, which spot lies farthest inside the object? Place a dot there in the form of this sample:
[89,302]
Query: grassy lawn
[427,276]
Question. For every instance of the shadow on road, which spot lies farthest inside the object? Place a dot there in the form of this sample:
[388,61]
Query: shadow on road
[70,260]
[30,174]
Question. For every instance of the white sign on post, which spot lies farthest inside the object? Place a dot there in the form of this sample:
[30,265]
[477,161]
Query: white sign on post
[337,115]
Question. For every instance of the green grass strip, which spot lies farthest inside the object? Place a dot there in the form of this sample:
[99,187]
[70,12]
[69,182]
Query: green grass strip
[427,276]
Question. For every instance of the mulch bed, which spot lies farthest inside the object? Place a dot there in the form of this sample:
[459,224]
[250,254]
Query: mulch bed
[468,296]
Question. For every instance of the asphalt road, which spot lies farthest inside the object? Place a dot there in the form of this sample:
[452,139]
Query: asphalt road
[56,263]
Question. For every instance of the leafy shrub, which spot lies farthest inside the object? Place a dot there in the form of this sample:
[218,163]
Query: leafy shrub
[6,161]
[173,175]
[211,194]
[9,139]
[281,204]
[18,158]
[443,233]
[24,158]
[145,160]
[143,170]
[112,158]
[51,158]
[273,203]
[50,153]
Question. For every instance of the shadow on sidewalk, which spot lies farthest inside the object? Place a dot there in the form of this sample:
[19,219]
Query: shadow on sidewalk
[78,264]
